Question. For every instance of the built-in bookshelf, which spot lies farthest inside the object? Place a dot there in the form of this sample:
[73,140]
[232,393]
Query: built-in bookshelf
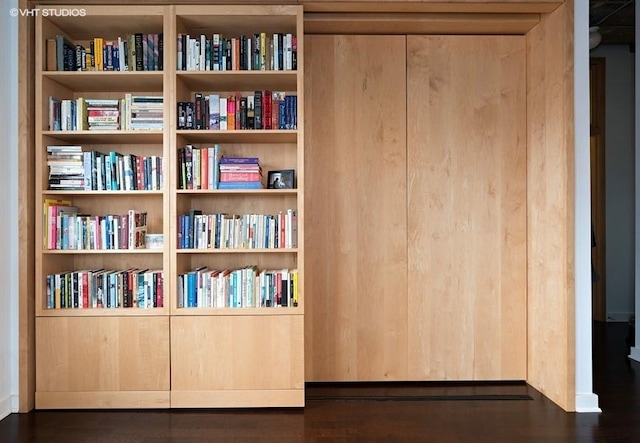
[101,155]
[114,275]
[231,274]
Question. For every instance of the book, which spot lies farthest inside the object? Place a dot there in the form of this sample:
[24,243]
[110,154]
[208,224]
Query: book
[137,229]
[240,185]
[65,54]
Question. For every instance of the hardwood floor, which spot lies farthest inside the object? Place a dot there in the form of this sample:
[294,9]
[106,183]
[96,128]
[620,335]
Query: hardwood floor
[406,412]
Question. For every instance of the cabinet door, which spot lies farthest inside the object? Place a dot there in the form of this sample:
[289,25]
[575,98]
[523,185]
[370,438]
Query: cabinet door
[466,161]
[102,362]
[355,206]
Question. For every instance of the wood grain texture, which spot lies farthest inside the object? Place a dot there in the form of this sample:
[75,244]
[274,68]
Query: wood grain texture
[467,207]
[357,5]
[241,398]
[550,203]
[438,6]
[233,353]
[105,354]
[26,215]
[356,208]
[103,400]
[418,23]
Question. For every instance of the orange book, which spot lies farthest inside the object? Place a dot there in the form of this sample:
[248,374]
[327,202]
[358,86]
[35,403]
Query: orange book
[231,112]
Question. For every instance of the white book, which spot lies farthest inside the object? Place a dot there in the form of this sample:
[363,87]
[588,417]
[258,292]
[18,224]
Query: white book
[223,113]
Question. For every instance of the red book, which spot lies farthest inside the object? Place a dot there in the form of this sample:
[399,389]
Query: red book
[85,289]
[266,110]
[240,176]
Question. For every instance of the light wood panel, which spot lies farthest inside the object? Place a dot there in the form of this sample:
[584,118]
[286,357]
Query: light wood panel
[418,23]
[439,6]
[26,228]
[103,400]
[261,355]
[355,203]
[80,355]
[466,207]
[361,5]
[551,202]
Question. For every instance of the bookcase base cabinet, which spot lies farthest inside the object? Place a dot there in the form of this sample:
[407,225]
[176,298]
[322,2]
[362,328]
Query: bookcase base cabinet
[109,362]
[240,361]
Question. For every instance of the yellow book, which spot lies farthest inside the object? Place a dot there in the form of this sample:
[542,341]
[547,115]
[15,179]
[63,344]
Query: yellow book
[294,275]
[263,51]
[97,56]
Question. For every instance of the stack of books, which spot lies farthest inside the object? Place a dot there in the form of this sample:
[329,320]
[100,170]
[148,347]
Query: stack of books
[240,173]
[144,112]
[102,114]
[66,168]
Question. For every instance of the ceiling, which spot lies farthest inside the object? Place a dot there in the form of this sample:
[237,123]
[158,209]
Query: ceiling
[616,19]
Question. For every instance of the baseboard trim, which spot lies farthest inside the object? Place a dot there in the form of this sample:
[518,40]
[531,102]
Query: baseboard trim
[5,406]
[587,403]
[635,354]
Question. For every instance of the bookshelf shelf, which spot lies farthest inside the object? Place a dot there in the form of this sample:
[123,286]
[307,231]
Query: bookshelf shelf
[222,192]
[239,251]
[106,137]
[101,251]
[113,81]
[105,312]
[223,312]
[239,136]
[238,80]
[105,194]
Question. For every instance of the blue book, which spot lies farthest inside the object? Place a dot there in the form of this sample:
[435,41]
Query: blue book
[240,185]
[239,161]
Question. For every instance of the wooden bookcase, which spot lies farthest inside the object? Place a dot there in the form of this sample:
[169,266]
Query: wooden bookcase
[168,356]
[238,356]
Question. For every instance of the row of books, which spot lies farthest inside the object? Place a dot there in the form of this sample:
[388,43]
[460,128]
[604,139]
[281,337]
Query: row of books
[261,51]
[71,168]
[198,167]
[240,288]
[66,228]
[132,112]
[100,288]
[264,109]
[133,52]
[232,231]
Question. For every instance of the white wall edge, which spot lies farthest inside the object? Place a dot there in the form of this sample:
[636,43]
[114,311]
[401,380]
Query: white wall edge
[585,399]
[5,407]
[635,354]
[587,403]
[14,245]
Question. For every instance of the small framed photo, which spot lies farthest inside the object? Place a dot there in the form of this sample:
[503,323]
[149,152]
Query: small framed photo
[284,179]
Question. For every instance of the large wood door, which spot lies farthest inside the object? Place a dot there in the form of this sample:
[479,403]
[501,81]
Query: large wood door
[415,207]
[355,208]
[466,207]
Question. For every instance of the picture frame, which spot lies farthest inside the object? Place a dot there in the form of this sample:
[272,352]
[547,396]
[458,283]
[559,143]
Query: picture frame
[281,179]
